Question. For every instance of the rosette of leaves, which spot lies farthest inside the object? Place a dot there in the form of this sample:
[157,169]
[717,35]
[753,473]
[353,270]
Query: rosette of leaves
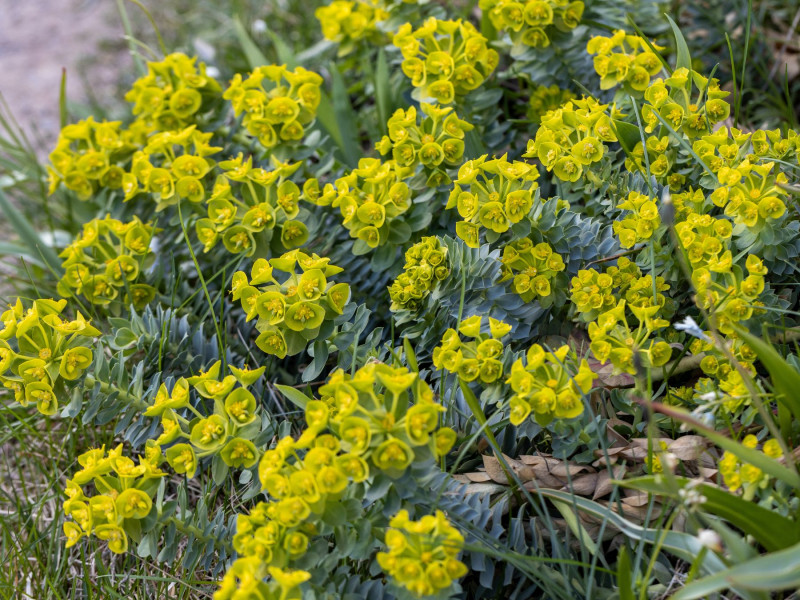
[173,93]
[348,23]
[248,205]
[426,264]
[436,142]
[172,167]
[302,308]
[278,103]
[371,200]
[445,60]
[225,435]
[42,354]
[529,21]
[492,194]
[122,498]
[535,271]
[88,157]
[105,262]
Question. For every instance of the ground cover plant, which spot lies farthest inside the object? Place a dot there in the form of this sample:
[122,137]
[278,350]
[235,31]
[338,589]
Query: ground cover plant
[472,300]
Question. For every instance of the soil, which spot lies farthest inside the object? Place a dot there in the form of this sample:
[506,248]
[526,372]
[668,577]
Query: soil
[39,38]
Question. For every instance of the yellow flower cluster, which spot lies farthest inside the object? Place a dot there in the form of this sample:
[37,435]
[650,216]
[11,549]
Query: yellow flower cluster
[426,264]
[572,137]
[278,532]
[173,166]
[348,22]
[672,100]
[435,143]
[423,555]
[624,59]
[737,474]
[726,292]
[749,190]
[369,198]
[724,383]
[362,423]
[445,59]
[593,293]
[291,313]
[244,580]
[246,201]
[124,496]
[172,93]
[639,226]
[532,268]
[106,259]
[614,340]
[47,352]
[371,413]
[660,157]
[547,387]
[706,241]
[493,194]
[544,99]
[527,21]
[85,157]
[225,433]
[277,103]
[480,358]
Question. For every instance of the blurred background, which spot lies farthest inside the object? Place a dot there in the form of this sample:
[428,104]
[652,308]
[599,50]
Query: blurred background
[92,41]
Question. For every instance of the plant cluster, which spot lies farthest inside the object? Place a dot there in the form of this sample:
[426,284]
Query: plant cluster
[431,322]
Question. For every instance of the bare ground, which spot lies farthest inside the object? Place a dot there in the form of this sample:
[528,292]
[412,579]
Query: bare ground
[39,38]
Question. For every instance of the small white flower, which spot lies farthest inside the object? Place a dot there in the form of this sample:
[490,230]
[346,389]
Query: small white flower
[692,328]
[710,539]
[259,26]
[710,396]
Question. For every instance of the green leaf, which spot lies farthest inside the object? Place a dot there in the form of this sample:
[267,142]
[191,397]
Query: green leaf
[62,100]
[680,544]
[411,357]
[383,90]
[684,59]
[475,406]
[785,378]
[770,466]
[255,58]
[624,575]
[293,395]
[769,573]
[627,134]
[773,531]
[345,118]
[28,236]
[219,470]
[570,516]
[335,514]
